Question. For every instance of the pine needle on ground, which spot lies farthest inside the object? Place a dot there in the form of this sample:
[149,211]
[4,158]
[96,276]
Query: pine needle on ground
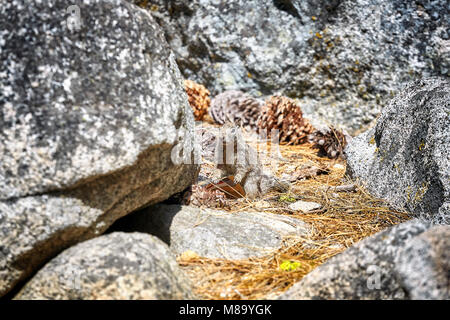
[345,218]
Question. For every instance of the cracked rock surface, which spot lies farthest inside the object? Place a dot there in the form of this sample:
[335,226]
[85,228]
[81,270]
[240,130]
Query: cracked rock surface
[407,261]
[214,233]
[344,59]
[88,121]
[405,159]
[130,266]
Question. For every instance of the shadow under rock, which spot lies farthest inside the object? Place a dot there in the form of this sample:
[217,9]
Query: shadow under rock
[148,221]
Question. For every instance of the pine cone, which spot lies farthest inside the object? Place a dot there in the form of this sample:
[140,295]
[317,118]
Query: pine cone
[237,108]
[220,103]
[204,197]
[330,142]
[250,109]
[198,97]
[285,115]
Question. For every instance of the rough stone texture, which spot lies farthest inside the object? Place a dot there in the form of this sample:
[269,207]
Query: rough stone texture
[423,265]
[88,121]
[356,273]
[343,58]
[405,159]
[213,233]
[116,266]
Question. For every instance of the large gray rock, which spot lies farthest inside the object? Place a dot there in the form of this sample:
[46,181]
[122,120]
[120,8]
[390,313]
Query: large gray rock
[214,233]
[88,120]
[343,58]
[423,264]
[116,266]
[377,267]
[405,159]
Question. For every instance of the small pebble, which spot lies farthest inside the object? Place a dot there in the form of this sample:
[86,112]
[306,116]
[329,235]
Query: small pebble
[304,206]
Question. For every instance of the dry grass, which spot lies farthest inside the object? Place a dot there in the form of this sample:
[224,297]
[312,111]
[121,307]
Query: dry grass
[345,218]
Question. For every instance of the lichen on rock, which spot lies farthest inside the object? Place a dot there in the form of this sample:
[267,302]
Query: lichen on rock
[405,159]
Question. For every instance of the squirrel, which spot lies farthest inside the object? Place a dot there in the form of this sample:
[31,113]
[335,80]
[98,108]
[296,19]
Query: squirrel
[234,157]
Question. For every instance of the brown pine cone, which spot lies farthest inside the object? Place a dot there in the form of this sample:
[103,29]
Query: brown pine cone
[249,111]
[198,97]
[237,108]
[205,197]
[330,142]
[285,115]
[221,102]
